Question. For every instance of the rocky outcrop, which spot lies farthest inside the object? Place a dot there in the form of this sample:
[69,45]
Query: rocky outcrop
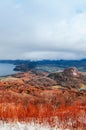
[72,72]
[69,78]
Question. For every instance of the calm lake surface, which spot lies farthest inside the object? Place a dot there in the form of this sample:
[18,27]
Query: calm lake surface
[6,69]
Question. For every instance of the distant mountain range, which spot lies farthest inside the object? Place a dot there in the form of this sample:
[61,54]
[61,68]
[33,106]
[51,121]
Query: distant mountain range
[46,65]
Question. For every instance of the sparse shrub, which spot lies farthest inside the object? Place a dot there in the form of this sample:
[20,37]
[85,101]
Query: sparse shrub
[28,92]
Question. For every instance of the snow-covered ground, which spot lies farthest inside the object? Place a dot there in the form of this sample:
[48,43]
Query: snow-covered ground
[25,126]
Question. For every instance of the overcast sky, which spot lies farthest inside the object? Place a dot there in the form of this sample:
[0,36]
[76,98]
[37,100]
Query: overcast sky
[42,29]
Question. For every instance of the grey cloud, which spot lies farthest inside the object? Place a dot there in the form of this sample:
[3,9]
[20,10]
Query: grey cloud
[42,29]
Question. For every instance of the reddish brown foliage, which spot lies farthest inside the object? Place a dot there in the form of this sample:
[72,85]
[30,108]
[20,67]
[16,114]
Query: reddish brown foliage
[23,100]
[73,117]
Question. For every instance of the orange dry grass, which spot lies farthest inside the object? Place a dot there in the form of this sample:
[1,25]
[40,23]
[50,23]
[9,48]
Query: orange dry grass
[72,117]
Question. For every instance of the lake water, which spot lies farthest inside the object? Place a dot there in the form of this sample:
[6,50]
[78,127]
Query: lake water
[6,69]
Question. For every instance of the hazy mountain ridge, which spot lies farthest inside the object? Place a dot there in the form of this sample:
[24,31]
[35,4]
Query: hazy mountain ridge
[46,65]
[51,65]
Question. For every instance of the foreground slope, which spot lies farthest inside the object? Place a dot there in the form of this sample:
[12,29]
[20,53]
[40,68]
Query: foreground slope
[42,96]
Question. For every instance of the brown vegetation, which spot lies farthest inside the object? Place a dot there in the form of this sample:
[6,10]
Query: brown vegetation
[28,96]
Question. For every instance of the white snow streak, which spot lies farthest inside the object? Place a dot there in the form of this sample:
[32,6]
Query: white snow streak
[25,126]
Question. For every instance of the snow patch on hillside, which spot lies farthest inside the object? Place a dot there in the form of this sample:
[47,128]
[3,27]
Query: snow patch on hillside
[25,126]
